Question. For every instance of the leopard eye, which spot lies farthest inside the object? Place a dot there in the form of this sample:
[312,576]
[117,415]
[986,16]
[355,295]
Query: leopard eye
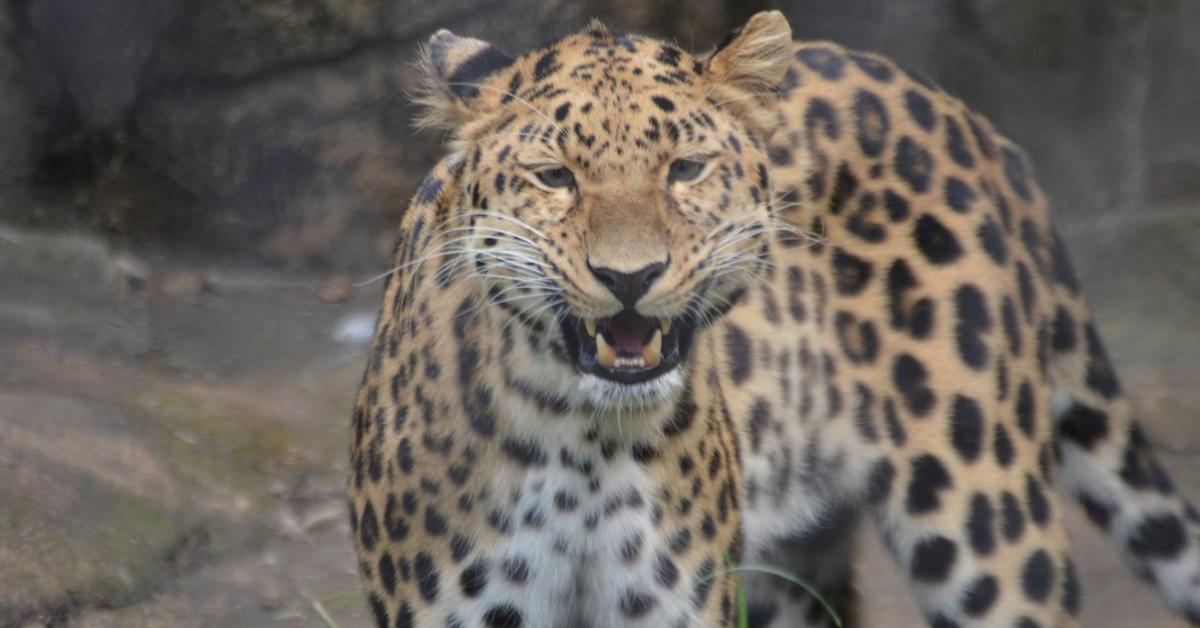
[684,170]
[559,177]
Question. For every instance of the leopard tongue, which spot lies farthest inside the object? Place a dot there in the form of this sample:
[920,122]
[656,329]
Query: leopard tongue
[628,340]
[629,333]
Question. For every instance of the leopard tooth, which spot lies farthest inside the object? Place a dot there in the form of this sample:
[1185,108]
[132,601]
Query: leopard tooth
[606,355]
[590,325]
[630,363]
[666,326]
[652,352]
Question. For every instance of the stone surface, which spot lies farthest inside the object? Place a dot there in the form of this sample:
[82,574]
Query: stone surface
[270,132]
[103,309]
[18,118]
[1171,128]
[91,514]
[282,167]
[115,38]
[286,124]
[169,491]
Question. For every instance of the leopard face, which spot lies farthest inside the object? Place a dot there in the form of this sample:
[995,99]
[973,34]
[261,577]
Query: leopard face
[630,207]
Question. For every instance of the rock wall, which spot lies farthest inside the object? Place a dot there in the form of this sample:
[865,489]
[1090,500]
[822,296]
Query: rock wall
[17,115]
[1172,129]
[278,131]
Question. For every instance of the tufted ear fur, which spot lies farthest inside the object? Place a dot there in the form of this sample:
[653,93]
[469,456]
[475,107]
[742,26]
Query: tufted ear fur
[751,62]
[754,57]
[452,69]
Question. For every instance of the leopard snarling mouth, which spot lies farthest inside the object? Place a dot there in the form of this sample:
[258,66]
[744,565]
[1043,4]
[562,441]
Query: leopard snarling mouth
[627,348]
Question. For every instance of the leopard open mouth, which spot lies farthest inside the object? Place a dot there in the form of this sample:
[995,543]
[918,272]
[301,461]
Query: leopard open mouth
[628,348]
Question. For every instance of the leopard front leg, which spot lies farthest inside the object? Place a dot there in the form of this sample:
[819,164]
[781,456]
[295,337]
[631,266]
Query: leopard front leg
[823,559]
[983,545]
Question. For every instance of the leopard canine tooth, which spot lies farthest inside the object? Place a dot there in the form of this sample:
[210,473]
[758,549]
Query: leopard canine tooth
[652,352]
[590,326]
[666,326]
[606,355]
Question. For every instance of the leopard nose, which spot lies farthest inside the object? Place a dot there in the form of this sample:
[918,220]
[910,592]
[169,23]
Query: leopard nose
[629,287]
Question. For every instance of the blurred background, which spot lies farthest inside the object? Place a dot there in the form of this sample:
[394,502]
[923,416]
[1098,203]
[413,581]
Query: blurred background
[192,193]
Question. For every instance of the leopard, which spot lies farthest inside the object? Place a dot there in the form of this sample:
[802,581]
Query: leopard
[657,317]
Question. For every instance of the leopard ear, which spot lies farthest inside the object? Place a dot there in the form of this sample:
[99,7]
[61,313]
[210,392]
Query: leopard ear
[453,71]
[754,57]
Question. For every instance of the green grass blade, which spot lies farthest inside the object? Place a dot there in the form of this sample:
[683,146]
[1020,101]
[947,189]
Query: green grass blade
[743,607]
[779,573]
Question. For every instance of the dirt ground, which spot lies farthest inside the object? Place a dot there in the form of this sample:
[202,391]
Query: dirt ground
[173,438]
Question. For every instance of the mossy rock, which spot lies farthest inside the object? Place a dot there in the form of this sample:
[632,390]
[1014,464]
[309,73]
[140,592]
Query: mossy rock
[91,515]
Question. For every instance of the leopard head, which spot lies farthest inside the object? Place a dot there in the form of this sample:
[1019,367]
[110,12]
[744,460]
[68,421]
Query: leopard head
[614,190]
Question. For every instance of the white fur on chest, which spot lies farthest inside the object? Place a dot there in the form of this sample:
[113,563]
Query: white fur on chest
[581,523]
[585,529]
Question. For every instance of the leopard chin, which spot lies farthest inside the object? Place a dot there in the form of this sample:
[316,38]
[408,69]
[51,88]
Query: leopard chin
[607,395]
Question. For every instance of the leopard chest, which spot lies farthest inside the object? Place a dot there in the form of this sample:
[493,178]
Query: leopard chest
[584,531]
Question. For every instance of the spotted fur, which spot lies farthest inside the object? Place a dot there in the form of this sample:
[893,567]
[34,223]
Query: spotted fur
[886,324]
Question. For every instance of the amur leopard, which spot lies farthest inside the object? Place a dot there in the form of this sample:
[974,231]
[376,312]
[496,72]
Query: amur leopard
[656,315]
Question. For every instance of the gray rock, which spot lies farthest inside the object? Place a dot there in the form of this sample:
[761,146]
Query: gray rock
[72,289]
[285,165]
[286,123]
[1171,126]
[92,515]
[18,117]
[96,51]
